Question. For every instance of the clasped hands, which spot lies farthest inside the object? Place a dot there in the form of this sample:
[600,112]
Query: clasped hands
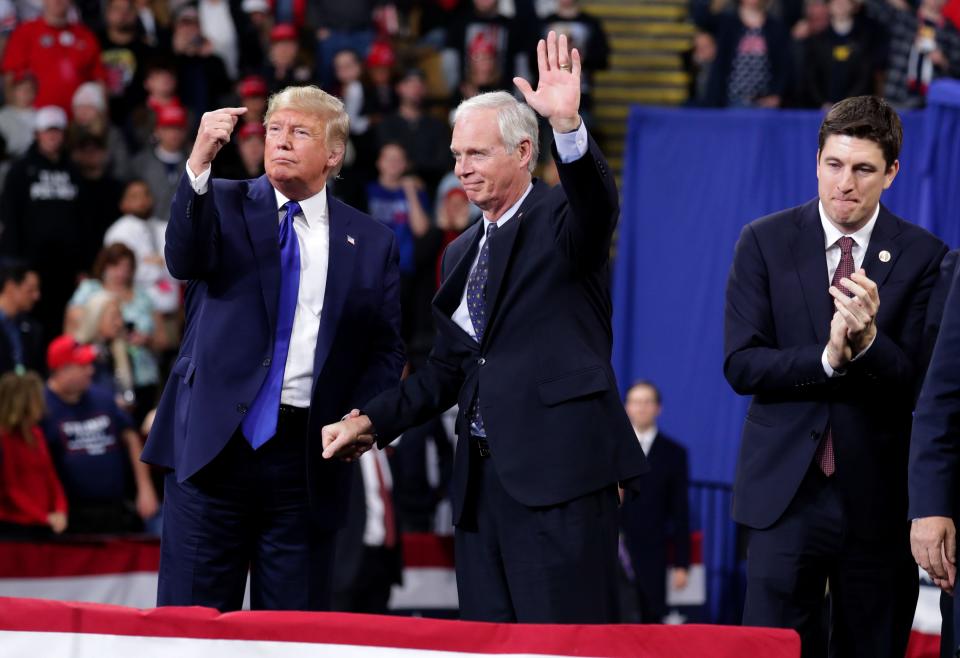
[853,326]
[349,438]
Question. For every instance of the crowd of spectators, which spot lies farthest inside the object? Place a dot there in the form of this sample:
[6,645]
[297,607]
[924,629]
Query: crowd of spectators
[811,54]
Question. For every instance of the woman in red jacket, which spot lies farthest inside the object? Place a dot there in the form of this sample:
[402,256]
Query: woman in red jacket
[32,502]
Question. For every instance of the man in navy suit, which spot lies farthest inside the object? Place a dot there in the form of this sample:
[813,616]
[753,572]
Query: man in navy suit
[523,344]
[824,322]
[658,516]
[934,459]
[292,321]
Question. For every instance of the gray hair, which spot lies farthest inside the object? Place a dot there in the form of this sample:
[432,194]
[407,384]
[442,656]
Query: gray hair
[312,100]
[517,121]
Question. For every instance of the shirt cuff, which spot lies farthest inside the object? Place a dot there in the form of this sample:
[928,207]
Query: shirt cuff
[865,349]
[573,145]
[827,368]
[198,183]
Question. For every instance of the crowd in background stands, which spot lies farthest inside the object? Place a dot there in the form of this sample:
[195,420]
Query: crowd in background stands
[813,53]
[101,99]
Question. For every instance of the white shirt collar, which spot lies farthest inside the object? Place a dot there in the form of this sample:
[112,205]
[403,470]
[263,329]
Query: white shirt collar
[512,210]
[832,233]
[314,208]
[646,438]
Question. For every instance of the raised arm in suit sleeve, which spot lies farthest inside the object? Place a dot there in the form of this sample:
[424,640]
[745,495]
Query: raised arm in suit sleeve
[934,449]
[386,352]
[585,222]
[193,233]
[753,363]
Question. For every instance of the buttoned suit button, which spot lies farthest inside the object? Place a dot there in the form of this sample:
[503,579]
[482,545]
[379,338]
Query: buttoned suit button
[482,361]
[266,362]
[242,408]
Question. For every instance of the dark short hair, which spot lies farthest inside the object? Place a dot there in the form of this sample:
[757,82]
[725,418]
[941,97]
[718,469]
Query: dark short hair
[865,117]
[646,383]
[13,270]
[111,255]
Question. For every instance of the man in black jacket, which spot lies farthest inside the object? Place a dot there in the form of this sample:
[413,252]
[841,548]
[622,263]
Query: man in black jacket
[523,343]
[21,338]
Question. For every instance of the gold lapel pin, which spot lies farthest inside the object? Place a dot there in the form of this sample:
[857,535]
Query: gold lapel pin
[884,256]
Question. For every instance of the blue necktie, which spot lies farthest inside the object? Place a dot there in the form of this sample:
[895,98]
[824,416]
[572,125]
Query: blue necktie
[477,306]
[260,423]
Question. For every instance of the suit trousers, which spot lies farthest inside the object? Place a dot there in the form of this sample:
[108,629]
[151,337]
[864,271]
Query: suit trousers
[873,583]
[247,510]
[553,564]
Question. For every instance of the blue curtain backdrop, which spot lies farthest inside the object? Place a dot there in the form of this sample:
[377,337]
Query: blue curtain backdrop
[692,179]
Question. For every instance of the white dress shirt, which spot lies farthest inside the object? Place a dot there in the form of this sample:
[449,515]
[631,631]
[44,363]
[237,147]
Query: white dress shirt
[646,438]
[861,240]
[570,146]
[312,226]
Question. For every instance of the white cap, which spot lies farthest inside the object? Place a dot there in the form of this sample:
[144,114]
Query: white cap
[89,93]
[50,116]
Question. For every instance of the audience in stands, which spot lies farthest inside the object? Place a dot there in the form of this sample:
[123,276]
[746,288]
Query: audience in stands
[98,198]
[17,117]
[483,23]
[21,336]
[923,46]
[90,113]
[32,502]
[94,446]
[162,163]
[125,52]
[285,65]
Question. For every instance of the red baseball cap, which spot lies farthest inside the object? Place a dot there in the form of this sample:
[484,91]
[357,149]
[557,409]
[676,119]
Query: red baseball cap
[251,129]
[66,351]
[252,85]
[381,54]
[284,32]
[171,116]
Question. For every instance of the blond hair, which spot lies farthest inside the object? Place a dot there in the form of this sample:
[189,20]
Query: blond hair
[21,403]
[314,101]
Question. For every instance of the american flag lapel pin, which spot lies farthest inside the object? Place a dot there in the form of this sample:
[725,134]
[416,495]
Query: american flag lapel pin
[351,240]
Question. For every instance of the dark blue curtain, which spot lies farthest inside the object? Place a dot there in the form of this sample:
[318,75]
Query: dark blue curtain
[692,179]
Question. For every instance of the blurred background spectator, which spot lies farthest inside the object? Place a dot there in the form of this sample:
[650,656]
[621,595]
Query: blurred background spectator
[94,446]
[32,502]
[162,163]
[21,339]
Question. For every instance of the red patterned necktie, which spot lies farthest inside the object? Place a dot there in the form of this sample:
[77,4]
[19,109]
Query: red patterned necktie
[846,267]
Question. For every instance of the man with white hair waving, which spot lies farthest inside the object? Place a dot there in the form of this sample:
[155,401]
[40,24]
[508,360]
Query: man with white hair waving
[523,344]
[293,317]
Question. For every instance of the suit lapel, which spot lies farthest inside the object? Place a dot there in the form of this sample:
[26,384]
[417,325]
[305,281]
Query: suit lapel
[263,225]
[341,258]
[447,299]
[882,241]
[811,262]
[501,250]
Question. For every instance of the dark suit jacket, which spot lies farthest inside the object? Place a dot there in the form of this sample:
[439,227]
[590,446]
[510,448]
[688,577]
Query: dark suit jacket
[660,512]
[554,419]
[934,448]
[31,337]
[226,240]
[777,323]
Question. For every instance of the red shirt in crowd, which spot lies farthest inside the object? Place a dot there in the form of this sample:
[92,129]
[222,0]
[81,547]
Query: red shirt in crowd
[29,487]
[60,58]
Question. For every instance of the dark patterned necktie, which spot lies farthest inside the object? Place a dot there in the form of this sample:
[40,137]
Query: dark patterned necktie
[477,307]
[825,455]
[260,423]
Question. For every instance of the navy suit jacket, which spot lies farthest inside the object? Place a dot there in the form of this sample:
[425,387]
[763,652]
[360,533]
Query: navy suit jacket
[225,242]
[777,323]
[661,509]
[935,447]
[555,423]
